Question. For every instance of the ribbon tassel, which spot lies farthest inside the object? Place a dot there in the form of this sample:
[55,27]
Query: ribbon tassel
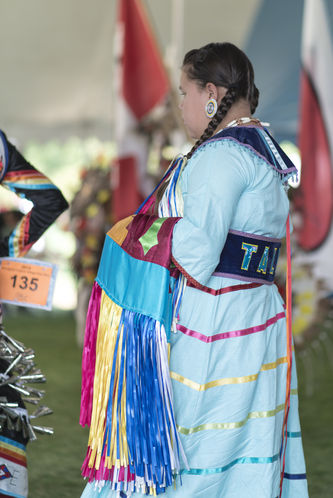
[133,440]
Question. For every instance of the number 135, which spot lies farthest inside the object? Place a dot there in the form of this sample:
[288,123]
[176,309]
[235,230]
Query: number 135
[24,282]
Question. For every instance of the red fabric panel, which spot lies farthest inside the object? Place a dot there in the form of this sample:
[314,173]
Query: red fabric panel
[158,248]
[314,198]
[144,79]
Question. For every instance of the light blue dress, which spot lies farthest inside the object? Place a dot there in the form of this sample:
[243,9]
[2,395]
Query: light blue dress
[228,357]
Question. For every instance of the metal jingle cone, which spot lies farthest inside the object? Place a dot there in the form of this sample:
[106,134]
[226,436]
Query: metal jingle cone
[36,392]
[9,408]
[32,401]
[10,424]
[34,379]
[21,369]
[18,424]
[19,389]
[25,431]
[29,352]
[43,430]
[14,362]
[41,412]
[18,345]
[31,432]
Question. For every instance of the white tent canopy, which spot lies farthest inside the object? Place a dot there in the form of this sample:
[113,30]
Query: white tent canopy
[56,58]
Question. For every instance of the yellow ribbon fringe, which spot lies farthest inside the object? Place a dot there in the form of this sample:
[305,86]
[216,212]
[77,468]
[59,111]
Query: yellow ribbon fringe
[105,349]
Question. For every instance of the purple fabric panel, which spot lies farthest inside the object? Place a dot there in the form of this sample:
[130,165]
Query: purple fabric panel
[254,236]
[89,355]
[243,279]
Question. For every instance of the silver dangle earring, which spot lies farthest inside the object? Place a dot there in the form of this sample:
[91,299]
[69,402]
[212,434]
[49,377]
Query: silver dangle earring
[211,108]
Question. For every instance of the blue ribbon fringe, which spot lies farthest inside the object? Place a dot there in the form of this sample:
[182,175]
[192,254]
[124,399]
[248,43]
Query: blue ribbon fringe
[153,445]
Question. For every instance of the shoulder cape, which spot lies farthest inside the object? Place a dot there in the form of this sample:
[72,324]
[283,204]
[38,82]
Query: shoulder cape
[261,143]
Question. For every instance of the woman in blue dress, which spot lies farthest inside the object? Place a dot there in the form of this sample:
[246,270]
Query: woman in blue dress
[232,369]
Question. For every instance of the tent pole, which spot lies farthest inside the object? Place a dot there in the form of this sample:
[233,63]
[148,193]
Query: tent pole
[176,47]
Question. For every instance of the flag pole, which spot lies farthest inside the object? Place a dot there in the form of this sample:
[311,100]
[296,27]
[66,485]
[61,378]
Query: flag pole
[174,56]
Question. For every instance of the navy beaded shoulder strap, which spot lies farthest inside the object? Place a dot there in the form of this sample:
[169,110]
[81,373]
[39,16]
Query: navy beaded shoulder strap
[261,143]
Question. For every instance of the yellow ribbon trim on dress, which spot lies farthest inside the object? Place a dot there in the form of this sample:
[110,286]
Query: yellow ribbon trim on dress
[228,380]
[233,425]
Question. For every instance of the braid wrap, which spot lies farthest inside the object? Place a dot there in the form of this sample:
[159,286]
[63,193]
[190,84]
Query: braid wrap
[223,108]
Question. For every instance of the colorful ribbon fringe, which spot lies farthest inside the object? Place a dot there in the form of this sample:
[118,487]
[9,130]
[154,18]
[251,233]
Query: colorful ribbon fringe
[126,386]
[133,439]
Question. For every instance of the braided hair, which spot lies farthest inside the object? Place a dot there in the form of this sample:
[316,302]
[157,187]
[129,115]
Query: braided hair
[224,65]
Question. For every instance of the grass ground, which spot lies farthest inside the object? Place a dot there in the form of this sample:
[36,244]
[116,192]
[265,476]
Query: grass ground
[55,461]
[315,374]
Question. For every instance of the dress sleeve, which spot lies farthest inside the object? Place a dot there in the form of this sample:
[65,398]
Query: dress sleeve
[48,203]
[212,187]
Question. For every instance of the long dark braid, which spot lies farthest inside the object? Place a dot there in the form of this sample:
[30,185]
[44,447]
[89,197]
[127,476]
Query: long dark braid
[226,66]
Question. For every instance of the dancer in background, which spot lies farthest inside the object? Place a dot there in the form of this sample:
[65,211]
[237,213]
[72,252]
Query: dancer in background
[18,175]
[90,218]
[231,361]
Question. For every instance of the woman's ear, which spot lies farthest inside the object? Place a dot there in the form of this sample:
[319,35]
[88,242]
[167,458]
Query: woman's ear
[211,89]
[216,92]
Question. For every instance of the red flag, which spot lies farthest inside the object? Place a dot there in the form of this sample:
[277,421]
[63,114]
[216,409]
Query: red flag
[142,84]
[314,198]
[144,79]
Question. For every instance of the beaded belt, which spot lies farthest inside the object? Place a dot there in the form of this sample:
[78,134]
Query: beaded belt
[249,257]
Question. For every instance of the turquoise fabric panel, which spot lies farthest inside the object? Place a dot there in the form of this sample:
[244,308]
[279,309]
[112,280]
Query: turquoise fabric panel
[134,284]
